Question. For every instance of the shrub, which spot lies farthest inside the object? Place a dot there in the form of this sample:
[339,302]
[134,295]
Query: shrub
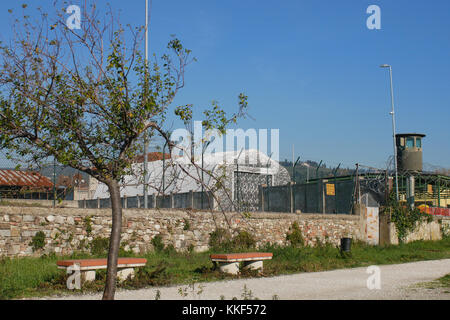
[406,220]
[38,241]
[99,246]
[157,243]
[219,238]
[295,237]
[243,240]
[187,225]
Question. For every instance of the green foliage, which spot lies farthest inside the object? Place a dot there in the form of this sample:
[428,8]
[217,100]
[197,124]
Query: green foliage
[406,220]
[219,238]
[38,241]
[26,277]
[99,246]
[157,243]
[295,237]
[243,241]
[445,230]
[88,224]
[187,225]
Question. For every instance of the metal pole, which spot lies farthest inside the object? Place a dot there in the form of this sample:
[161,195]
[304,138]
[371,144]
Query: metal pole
[164,168]
[293,169]
[145,133]
[237,181]
[267,180]
[54,182]
[317,170]
[392,113]
[393,134]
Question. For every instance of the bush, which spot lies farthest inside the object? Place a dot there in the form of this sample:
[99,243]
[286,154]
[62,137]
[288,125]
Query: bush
[38,241]
[219,239]
[295,237]
[243,240]
[99,246]
[157,243]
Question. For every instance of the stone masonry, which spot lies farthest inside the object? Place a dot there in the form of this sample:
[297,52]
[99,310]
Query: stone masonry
[71,229]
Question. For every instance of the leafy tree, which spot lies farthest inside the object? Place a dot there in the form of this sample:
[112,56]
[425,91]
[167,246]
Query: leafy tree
[85,97]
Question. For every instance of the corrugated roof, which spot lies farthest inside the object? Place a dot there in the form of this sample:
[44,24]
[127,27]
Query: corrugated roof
[16,178]
[152,156]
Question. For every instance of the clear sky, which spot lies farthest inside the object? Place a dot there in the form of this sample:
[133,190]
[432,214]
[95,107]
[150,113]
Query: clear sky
[311,69]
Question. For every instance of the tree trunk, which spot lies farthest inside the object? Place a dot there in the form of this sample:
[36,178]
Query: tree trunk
[114,241]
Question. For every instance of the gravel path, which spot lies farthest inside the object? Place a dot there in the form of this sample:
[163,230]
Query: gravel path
[397,282]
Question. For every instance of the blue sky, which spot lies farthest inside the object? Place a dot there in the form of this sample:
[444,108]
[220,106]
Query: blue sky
[311,69]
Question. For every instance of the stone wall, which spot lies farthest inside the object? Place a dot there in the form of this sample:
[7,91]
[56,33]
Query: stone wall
[69,229]
[433,230]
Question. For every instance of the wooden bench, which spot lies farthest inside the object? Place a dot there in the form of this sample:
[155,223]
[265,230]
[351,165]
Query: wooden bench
[87,267]
[229,262]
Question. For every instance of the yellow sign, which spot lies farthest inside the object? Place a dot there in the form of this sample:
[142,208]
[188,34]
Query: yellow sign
[330,189]
[430,188]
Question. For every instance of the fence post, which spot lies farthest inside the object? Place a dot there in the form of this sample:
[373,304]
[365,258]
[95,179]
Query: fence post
[138,201]
[171,200]
[125,202]
[261,198]
[191,198]
[98,203]
[291,195]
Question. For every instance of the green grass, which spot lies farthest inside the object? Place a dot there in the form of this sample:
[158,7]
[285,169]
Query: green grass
[27,277]
[442,283]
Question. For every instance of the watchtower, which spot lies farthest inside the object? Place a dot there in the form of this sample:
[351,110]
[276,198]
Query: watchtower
[409,151]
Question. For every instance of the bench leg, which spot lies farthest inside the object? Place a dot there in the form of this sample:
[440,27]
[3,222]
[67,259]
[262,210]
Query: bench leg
[229,267]
[123,274]
[254,265]
[88,275]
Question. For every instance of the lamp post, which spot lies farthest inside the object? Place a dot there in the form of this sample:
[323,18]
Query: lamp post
[392,113]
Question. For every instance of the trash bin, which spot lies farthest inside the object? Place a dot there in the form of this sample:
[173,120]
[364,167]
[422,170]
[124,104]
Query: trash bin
[346,244]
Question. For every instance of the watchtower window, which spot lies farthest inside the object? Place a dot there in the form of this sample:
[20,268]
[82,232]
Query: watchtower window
[418,142]
[409,142]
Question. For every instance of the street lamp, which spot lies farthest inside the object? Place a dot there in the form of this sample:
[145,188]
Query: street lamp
[392,113]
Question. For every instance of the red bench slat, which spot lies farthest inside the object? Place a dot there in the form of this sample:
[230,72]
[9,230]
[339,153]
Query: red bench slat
[246,255]
[98,262]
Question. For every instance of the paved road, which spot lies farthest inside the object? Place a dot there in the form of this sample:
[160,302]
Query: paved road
[397,282]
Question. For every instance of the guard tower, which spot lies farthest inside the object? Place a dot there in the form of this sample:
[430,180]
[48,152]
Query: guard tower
[409,151]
